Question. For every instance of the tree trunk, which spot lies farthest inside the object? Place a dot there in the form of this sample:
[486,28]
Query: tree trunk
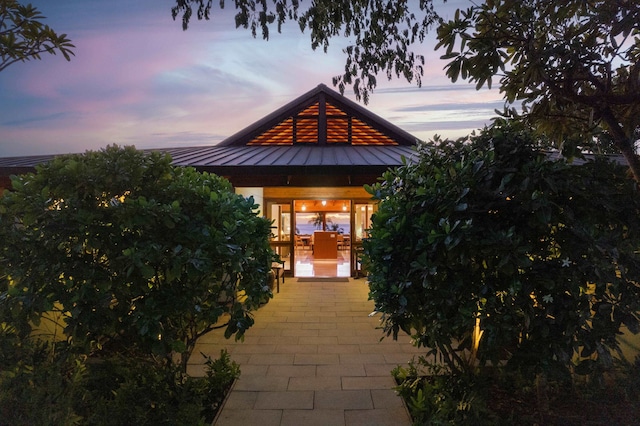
[623,143]
[632,159]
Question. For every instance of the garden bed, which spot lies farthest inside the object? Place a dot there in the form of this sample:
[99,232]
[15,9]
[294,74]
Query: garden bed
[500,399]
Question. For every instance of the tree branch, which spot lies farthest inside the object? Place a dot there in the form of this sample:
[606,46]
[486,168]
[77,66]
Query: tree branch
[624,143]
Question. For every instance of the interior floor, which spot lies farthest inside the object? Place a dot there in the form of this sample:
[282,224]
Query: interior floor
[307,266]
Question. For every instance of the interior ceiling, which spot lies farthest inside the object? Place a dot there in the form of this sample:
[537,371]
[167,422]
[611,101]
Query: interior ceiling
[311,206]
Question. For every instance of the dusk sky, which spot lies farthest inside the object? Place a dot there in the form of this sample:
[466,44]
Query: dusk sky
[138,79]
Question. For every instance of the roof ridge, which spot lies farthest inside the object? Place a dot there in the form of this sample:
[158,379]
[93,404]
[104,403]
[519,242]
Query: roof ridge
[309,98]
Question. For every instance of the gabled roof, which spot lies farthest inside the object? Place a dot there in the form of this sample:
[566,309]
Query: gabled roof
[321,117]
[320,138]
[320,133]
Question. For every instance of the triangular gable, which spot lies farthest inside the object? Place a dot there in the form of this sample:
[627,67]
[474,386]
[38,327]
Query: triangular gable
[321,117]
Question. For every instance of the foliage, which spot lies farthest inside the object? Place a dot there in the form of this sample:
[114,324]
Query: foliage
[382,32]
[332,226]
[24,37]
[574,65]
[38,385]
[135,260]
[162,396]
[139,257]
[221,373]
[318,221]
[435,396]
[486,251]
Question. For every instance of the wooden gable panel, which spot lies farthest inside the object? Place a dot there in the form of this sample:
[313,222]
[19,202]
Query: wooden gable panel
[306,130]
[303,127]
[281,134]
[311,111]
[338,129]
[364,134]
[334,111]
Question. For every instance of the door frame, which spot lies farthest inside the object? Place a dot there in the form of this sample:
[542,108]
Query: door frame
[287,195]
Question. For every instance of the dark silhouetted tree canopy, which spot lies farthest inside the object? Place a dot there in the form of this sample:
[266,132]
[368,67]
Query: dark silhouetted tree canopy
[382,32]
[24,37]
[572,64]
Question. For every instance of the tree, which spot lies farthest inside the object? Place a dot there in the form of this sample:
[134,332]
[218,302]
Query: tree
[138,256]
[24,37]
[574,65]
[383,32]
[488,252]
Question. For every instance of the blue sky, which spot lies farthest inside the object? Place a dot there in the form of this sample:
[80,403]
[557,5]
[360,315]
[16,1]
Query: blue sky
[138,79]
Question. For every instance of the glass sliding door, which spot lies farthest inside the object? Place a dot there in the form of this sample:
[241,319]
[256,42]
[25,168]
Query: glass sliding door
[281,238]
[361,221]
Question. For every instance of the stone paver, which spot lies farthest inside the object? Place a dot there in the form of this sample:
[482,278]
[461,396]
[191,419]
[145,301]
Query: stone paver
[344,399]
[313,357]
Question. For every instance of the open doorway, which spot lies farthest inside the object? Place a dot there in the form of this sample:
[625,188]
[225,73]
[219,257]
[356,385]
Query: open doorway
[322,238]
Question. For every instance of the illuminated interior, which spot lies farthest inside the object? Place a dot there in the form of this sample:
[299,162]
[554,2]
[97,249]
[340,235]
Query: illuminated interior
[347,222]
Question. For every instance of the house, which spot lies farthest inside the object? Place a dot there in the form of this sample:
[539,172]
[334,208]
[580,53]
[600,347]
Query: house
[305,164]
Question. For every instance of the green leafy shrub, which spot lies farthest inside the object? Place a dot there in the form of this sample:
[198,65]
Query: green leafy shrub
[38,384]
[41,385]
[488,253]
[220,375]
[436,396]
[141,258]
[127,391]
[113,264]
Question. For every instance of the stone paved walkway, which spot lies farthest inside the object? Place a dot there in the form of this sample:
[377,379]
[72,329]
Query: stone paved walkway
[313,357]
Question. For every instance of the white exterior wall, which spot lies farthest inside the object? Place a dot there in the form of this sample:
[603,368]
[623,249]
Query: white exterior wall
[256,192]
